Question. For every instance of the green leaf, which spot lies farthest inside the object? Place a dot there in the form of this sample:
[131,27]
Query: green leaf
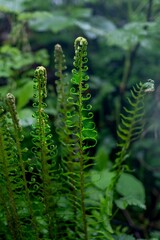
[127,39]
[41,54]
[132,191]
[101,179]
[128,36]
[137,28]
[11,6]
[123,203]
[24,94]
[103,155]
[97,26]
[44,21]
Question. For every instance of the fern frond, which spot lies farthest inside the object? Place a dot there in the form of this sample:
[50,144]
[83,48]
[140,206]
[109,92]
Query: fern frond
[81,137]
[131,121]
[129,130]
[64,109]
[18,136]
[44,151]
[62,87]
[10,182]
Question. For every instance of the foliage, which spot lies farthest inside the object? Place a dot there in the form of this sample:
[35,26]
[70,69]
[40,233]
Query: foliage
[123,39]
[38,190]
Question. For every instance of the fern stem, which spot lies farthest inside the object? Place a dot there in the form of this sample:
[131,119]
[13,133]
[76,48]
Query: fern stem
[10,100]
[63,106]
[127,131]
[80,53]
[12,214]
[130,131]
[82,154]
[44,151]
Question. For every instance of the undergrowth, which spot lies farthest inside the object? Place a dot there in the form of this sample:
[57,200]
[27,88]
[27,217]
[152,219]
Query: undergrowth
[48,196]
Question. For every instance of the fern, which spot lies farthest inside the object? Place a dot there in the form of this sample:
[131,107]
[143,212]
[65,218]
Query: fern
[131,123]
[46,197]
[128,131]
[10,183]
[18,136]
[82,135]
[62,87]
[44,150]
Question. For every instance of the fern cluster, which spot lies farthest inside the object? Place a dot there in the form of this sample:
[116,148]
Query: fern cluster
[46,196]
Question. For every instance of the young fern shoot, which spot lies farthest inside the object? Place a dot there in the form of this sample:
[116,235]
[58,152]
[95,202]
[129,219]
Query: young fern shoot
[15,185]
[47,196]
[44,151]
[82,134]
[129,130]
[10,174]
[18,136]
[62,87]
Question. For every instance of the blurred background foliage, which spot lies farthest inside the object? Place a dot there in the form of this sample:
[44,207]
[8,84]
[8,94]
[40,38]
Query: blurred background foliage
[124,43]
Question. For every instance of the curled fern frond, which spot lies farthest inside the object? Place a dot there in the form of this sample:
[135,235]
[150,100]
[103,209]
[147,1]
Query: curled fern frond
[10,100]
[62,87]
[82,137]
[131,122]
[44,151]
[79,95]
[18,136]
[10,173]
[129,130]
[60,61]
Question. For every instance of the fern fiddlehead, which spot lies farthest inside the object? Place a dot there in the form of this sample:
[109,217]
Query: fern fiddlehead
[129,130]
[44,151]
[18,136]
[82,132]
[9,174]
[62,87]
[132,122]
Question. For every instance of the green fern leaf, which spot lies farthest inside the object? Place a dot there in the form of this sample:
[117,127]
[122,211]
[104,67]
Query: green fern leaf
[81,138]
[129,130]
[44,151]
[10,172]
